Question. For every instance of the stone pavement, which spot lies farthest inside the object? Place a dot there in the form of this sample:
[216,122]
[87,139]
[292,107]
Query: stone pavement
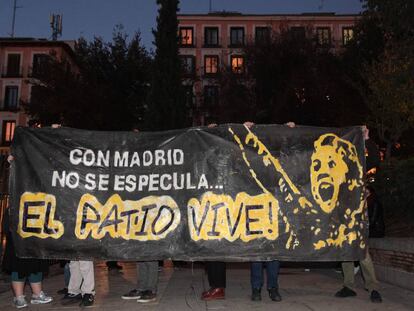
[180,289]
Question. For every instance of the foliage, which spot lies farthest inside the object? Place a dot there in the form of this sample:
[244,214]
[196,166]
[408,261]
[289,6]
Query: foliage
[298,80]
[390,95]
[167,105]
[380,62]
[237,100]
[394,185]
[107,92]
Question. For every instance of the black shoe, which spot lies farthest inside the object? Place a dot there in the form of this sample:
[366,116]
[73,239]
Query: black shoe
[62,291]
[274,294]
[132,294]
[345,292]
[375,297]
[87,300]
[256,295]
[147,296]
[69,299]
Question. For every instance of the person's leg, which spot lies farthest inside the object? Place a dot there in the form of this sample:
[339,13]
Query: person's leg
[256,274]
[38,296]
[367,267]
[216,271]
[349,280]
[88,284]
[17,284]
[272,273]
[35,280]
[142,271]
[349,276]
[88,276]
[66,274]
[75,278]
[148,277]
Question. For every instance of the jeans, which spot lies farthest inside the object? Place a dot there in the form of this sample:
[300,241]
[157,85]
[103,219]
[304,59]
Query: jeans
[272,274]
[32,278]
[147,275]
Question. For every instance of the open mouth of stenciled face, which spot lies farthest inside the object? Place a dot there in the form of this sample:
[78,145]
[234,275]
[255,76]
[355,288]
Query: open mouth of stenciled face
[326,191]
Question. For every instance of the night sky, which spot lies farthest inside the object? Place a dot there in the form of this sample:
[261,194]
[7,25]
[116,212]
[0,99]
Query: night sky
[90,18]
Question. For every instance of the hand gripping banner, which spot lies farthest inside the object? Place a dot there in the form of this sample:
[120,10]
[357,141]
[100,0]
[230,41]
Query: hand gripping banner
[226,193]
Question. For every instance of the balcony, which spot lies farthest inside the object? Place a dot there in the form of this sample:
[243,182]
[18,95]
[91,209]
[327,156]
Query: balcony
[12,72]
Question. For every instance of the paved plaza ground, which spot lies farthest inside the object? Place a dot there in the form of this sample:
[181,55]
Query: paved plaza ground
[180,289]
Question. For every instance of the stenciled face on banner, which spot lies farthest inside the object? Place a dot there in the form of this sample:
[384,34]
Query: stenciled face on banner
[205,193]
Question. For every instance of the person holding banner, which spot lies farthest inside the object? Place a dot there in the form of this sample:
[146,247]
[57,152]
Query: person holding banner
[367,267]
[147,272]
[272,267]
[216,273]
[23,269]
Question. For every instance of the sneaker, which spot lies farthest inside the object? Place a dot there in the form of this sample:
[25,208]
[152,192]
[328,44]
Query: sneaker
[274,294]
[375,297]
[69,299]
[132,294]
[62,291]
[345,292]
[256,295]
[87,300]
[147,296]
[19,302]
[42,298]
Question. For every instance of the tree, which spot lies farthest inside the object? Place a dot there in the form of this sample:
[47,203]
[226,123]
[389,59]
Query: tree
[236,102]
[390,95]
[108,92]
[167,105]
[298,80]
[379,62]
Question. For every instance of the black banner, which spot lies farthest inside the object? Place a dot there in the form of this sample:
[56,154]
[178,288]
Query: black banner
[225,193]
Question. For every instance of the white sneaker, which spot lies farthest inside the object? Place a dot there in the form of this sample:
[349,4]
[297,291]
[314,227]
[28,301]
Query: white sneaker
[40,299]
[19,302]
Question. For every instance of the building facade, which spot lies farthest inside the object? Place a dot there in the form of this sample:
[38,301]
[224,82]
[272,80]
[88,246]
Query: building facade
[212,41]
[20,60]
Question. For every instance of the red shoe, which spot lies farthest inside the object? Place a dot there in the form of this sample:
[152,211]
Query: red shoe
[213,294]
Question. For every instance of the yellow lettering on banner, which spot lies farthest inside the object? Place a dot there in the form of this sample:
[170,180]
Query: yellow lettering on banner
[151,218]
[246,218]
[37,216]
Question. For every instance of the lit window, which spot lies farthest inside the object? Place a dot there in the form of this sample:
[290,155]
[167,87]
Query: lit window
[323,35]
[211,64]
[211,36]
[236,36]
[237,64]
[186,36]
[8,132]
[11,97]
[347,35]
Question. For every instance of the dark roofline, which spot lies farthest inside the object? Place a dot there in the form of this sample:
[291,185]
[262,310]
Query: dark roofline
[238,14]
[36,42]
